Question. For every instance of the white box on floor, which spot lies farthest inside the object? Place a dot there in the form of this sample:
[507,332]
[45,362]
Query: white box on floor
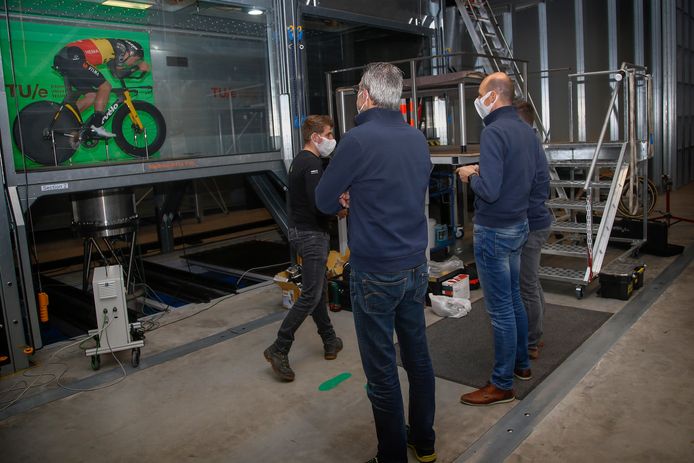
[458,286]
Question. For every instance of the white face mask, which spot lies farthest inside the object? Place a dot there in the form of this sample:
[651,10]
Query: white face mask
[361,108]
[326,146]
[482,109]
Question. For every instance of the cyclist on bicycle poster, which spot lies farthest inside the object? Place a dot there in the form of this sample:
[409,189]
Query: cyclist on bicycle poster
[77,63]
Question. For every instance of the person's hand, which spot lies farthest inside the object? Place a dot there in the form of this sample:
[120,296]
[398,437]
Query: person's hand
[344,199]
[343,213]
[465,172]
[144,67]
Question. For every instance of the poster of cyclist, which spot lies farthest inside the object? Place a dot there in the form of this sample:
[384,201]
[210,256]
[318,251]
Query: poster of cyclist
[79,96]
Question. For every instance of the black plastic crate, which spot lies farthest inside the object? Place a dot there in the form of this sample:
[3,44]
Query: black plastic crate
[617,286]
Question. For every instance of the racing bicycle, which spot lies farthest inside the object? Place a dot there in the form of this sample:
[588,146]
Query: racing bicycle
[49,133]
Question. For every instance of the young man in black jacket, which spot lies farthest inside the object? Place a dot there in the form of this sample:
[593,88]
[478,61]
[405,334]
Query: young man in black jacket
[308,234]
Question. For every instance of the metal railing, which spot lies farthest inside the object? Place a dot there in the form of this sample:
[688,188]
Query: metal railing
[523,75]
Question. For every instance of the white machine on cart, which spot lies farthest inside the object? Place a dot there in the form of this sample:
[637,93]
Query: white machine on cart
[115,332]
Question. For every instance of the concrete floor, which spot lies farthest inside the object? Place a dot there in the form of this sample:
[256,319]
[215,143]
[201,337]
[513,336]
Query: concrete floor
[220,403]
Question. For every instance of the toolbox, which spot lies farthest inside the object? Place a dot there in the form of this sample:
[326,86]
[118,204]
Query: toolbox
[620,281]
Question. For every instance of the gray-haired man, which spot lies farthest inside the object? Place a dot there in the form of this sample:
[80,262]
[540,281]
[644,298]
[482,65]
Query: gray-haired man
[384,164]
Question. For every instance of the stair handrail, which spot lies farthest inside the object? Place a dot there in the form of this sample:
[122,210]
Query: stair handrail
[589,178]
[615,92]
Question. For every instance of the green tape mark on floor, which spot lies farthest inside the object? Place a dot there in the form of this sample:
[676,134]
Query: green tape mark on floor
[334,382]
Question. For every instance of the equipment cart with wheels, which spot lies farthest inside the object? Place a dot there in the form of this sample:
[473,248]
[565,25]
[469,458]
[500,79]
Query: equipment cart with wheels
[115,332]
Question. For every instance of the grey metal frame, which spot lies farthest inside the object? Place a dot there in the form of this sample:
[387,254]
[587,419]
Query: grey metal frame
[11,305]
[413,92]
[544,66]
[580,68]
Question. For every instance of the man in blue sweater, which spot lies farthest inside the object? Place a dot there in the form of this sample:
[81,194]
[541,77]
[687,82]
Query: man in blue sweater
[384,165]
[539,223]
[502,183]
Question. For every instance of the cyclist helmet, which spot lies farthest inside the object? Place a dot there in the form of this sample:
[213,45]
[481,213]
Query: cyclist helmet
[134,48]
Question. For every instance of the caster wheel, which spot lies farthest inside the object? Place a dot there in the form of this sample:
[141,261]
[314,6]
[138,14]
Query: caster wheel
[96,362]
[579,292]
[135,359]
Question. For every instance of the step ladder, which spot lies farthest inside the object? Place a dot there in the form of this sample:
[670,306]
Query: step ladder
[588,182]
[588,214]
[489,40]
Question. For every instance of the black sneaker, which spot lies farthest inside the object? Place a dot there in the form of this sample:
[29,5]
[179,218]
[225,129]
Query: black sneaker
[422,455]
[332,348]
[280,363]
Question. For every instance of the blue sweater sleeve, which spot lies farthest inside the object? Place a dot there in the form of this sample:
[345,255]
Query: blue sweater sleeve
[487,185]
[339,175]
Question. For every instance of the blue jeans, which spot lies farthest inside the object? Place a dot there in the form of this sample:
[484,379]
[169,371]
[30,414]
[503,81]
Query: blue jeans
[313,247]
[381,303]
[497,254]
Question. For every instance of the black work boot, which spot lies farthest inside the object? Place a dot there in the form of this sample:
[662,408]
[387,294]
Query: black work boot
[280,363]
[331,348]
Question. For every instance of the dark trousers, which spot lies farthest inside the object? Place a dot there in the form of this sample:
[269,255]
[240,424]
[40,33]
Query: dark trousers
[313,247]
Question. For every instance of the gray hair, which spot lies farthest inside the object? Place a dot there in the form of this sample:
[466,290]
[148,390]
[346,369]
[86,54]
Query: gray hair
[383,81]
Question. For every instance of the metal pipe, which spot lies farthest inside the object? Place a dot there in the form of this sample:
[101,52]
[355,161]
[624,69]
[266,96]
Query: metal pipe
[443,55]
[329,92]
[632,142]
[413,76]
[461,99]
[598,73]
[571,112]
[602,135]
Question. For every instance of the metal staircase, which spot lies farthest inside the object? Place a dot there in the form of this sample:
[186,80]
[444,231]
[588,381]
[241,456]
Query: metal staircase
[589,182]
[489,41]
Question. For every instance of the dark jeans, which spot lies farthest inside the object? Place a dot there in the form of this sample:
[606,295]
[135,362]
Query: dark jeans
[381,303]
[530,287]
[313,247]
[497,254]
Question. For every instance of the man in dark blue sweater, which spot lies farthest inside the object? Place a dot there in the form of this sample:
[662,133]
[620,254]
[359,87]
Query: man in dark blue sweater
[502,183]
[539,223]
[384,166]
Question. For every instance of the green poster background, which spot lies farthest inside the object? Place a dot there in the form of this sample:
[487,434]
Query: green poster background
[33,47]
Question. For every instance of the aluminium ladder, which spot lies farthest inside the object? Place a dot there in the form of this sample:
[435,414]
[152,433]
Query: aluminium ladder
[489,40]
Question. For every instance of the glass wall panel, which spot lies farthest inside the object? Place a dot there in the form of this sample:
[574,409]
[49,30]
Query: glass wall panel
[79,95]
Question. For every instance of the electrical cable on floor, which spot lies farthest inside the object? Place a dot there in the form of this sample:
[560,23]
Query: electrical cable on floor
[217,301]
[56,377]
[183,242]
[258,268]
[104,386]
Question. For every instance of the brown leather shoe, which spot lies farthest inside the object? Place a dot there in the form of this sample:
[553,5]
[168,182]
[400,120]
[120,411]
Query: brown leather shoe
[534,351]
[488,395]
[523,374]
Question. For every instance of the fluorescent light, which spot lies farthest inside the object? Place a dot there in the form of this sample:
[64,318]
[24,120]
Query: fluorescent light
[125,4]
[255,12]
